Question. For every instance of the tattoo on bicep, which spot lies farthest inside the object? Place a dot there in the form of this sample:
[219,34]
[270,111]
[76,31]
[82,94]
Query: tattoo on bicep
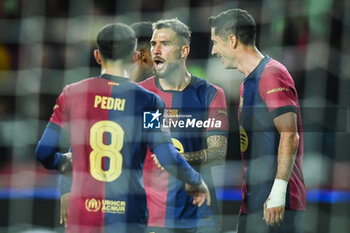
[217,146]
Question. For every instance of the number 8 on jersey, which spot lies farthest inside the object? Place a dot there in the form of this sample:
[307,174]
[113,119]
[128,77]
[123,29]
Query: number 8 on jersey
[111,151]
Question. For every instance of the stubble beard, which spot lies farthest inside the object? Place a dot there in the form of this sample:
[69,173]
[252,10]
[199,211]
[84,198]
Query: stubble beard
[170,69]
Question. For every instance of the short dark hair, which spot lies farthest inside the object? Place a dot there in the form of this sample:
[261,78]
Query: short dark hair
[235,21]
[177,26]
[116,41]
[143,31]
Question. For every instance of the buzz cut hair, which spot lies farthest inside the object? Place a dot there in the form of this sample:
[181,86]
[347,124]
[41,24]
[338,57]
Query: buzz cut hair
[181,29]
[116,41]
[235,21]
[143,31]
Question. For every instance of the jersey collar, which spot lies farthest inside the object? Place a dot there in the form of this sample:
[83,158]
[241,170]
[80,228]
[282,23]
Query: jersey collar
[260,67]
[114,78]
[174,91]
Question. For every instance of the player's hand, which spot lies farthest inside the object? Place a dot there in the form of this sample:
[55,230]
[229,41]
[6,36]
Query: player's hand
[200,193]
[66,167]
[274,205]
[65,198]
[273,216]
[156,161]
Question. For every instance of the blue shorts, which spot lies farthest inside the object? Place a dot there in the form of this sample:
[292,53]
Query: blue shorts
[293,222]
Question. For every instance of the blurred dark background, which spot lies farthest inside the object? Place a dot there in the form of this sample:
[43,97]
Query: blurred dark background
[45,45]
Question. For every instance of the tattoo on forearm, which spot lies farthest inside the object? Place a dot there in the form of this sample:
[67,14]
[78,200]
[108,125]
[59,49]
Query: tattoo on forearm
[214,154]
[196,157]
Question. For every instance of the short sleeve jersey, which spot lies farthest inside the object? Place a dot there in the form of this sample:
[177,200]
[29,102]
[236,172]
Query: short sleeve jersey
[266,93]
[169,204]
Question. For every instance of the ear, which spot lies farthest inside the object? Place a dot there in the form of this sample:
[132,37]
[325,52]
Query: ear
[97,56]
[135,57]
[232,39]
[185,50]
[141,55]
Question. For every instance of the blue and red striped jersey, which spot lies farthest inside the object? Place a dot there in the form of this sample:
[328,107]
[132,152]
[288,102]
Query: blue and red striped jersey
[267,92]
[169,204]
[104,118]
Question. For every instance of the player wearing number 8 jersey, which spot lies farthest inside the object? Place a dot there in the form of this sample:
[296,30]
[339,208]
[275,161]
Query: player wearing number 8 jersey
[103,116]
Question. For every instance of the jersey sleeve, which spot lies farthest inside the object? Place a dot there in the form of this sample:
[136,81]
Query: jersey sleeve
[60,111]
[218,111]
[157,136]
[277,90]
[47,148]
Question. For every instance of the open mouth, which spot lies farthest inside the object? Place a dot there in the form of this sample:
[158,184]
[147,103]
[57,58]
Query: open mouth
[158,63]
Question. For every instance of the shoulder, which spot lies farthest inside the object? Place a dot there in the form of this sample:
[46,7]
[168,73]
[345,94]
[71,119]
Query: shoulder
[79,86]
[275,80]
[148,83]
[81,83]
[275,70]
[207,87]
[144,93]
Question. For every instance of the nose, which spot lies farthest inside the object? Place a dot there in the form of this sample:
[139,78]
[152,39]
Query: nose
[156,50]
[213,50]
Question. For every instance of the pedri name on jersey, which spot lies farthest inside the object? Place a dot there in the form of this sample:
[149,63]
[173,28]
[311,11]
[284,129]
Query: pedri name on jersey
[109,103]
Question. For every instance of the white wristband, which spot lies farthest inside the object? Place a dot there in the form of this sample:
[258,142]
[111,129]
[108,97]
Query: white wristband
[278,194]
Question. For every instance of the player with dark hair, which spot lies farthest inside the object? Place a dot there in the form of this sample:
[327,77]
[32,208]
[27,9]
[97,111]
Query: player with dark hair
[185,95]
[104,118]
[270,127]
[143,67]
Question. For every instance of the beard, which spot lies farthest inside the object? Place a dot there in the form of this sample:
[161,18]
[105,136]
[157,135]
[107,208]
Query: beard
[169,70]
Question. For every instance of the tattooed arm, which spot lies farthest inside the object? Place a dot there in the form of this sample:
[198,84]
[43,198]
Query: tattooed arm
[215,154]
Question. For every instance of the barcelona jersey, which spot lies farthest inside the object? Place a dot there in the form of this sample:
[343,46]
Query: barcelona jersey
[103,117]
[169,204]
[266,93]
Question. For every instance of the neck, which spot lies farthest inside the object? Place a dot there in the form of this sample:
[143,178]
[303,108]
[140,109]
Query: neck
[249,60]
[115,68]
[177,81]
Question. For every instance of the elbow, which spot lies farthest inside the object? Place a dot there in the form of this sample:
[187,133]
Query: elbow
[295,139]
[40,156]
[219,156]
[43,157]
[220,162]
[292,138]
[222,159]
